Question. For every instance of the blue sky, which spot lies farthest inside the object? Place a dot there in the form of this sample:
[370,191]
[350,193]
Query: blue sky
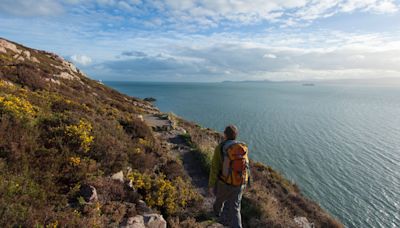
[213,40]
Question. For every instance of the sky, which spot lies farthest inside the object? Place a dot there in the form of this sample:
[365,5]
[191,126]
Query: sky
[213,40]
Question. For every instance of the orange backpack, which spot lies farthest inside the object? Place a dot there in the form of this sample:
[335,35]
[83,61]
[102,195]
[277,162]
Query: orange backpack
[235,163]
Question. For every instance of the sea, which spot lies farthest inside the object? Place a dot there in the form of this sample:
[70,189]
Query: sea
[339,142]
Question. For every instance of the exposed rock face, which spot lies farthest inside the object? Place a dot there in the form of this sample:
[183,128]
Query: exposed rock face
[20,55]
[4,45]
[65,75]
[53,81]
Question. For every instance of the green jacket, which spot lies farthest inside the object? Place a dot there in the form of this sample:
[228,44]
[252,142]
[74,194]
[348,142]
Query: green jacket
[216,167]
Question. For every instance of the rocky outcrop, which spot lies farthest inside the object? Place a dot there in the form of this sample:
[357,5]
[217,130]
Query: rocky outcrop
[20,55]
[4,45]
[303,222]
[146,221]
[134,222]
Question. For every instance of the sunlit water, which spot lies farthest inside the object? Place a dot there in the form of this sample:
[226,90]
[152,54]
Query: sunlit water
[339,143]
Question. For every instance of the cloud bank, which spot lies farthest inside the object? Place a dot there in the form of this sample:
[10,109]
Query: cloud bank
[216,40]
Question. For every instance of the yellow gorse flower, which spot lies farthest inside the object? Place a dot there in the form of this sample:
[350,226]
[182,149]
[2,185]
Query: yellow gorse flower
[75,161]
[82,132]
[162,193]
[16,106]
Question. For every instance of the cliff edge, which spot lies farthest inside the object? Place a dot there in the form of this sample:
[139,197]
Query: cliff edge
[74,152]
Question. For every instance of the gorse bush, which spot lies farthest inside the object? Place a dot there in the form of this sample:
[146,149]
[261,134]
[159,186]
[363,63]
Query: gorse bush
[80,134]
[16,107]
[168,196]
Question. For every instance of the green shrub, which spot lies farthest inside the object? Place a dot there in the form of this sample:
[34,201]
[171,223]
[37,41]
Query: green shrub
[168,196]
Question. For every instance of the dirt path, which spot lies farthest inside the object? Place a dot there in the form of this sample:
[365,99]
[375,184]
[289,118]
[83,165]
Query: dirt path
[171,138]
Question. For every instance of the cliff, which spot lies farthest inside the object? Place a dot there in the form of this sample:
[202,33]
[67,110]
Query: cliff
[74,152]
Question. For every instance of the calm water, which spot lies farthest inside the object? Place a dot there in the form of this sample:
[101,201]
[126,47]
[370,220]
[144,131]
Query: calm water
[339,143]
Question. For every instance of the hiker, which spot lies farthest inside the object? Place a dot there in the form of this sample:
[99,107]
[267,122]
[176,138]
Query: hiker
[229,174]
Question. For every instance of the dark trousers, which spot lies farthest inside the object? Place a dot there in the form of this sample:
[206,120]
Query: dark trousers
[227,204]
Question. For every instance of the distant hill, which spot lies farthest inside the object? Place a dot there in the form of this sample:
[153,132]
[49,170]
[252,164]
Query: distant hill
[244,81]
[75,153]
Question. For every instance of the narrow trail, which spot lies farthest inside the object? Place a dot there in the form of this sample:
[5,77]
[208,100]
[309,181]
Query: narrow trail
[171,138]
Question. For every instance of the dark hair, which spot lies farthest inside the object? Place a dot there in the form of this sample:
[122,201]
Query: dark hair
[231,132]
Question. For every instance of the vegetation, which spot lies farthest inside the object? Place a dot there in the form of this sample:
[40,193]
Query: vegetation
[271,200]
[167,195]
[61,132]
[56,137]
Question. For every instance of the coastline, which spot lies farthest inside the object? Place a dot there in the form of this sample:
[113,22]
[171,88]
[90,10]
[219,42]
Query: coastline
[113,159]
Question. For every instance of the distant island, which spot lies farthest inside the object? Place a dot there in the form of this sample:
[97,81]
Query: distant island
[242,81]
[150,99]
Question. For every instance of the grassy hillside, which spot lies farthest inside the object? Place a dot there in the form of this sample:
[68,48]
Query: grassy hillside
[61,132]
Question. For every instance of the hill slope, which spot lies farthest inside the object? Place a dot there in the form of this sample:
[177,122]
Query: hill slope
[74,152]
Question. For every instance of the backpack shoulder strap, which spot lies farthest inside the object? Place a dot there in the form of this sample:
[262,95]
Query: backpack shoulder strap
[222,144]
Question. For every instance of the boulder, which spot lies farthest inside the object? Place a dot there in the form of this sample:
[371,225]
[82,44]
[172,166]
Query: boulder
[140,117]
[134,222]
[302,222]
[65,75]
[27,54]
[118,176]
[154,221]
[4,44]
[88,193]
[145,221]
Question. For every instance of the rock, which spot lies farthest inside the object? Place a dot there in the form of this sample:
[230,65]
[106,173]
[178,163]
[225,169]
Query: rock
[150,99]
[118,176]
[135,222]
[140,117]
[27,54]
[145,221]
[180,130]
[303,222]
[53,81]
[88,193]
[216,225]
[3,50]
[65,75]
[4,44]
[154,221]
[69,66]
[34,59]
[142,207]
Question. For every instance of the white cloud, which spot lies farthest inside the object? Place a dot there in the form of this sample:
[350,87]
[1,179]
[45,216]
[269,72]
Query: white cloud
[286,12]
[165,47]
[275,56]
[269,56]
[195,15]
[385,6]
[31,7]
[81,59]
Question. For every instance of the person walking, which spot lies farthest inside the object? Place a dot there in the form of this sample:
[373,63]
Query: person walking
[229,175]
